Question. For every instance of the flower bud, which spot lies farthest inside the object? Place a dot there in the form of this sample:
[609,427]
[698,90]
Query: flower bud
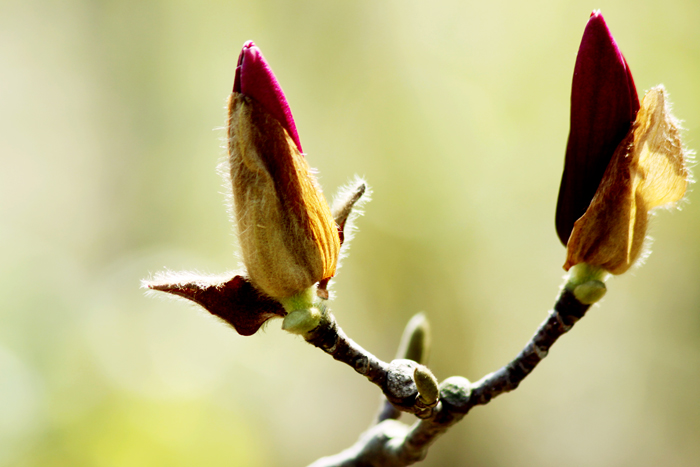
[288,238]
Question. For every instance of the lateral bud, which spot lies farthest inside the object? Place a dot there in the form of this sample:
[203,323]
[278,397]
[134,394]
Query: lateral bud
[415,341]
[427,385]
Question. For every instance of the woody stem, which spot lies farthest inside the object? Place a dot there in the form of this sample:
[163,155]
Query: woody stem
[567,311]
[395,379]
[330,338]
[391,443]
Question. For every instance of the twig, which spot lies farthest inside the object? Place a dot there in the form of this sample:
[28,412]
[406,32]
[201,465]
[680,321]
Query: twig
[330,338]
[395,379]
[414,345]
[394,444]
[567,311]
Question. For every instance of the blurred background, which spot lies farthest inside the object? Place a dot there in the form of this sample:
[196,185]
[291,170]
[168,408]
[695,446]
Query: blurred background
[456,112]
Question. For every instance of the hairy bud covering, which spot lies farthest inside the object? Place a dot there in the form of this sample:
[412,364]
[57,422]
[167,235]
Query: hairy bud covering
[288,238]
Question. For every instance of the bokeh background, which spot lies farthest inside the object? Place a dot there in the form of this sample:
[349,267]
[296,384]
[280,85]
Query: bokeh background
[456,112]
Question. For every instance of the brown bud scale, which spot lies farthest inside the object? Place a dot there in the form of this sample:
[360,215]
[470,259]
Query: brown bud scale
[289,240]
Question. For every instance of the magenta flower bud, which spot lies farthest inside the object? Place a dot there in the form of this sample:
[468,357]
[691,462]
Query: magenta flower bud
[254,78]
[288,237]
[622,161]
[604,105]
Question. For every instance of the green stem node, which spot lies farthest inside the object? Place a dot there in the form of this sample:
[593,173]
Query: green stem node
[303,314]
[586,282]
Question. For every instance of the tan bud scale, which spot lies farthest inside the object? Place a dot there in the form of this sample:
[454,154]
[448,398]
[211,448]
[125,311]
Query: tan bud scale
[288,238]
[648,170]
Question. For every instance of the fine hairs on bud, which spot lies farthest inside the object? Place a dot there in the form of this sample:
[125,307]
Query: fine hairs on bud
[348,205]
[223,168]
[230,297]
[182,278]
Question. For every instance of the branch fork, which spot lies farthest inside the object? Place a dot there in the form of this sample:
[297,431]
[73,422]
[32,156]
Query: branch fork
[409,386]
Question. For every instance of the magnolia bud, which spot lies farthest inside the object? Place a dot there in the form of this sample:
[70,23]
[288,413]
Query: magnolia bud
[288,238]
[622,160]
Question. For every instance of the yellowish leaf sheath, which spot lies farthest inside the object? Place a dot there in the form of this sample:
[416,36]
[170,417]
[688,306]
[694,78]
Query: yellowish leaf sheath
[648,170]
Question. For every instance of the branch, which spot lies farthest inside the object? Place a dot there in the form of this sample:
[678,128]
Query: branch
[395,379]
[567,311]
[391,443]
[414,345]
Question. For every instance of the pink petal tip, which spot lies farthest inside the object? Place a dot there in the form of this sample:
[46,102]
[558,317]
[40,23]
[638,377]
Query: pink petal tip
[255,79]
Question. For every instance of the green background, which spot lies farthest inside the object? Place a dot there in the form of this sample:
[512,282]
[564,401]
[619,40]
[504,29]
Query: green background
[456,112]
